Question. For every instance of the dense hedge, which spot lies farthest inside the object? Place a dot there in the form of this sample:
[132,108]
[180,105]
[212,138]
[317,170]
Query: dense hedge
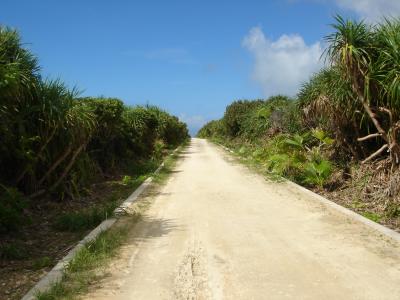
[53,141]
[253,119]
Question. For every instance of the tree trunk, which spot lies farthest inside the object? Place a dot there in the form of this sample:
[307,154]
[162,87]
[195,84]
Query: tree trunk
[69,166]
[55,165]
[22,174]
[390,136]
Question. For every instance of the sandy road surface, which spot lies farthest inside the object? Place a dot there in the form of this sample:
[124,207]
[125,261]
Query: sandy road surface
[218,231]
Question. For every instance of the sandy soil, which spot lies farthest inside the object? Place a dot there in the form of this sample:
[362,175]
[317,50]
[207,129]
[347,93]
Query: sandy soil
[218,231]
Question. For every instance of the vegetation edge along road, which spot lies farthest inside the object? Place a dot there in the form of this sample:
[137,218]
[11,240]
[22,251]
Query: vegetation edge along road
[390,233]
[66,281]
[56,274]
[340,135]
[67,162]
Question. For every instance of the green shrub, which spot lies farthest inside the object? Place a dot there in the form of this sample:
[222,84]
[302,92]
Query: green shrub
[159,148]
[317,173]
[213,129]
[236,114]
[86,219]
[42,262]
[108,143]
[13,251]
[133,182]
[53,142]
[372,216]
[12,204]
[279,163]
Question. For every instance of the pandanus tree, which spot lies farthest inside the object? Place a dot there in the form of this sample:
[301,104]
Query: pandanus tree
[42,128]
[328,102]
[19,78]
[368,58]
[59,128]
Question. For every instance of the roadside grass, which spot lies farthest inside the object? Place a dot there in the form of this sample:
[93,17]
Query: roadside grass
[372,216]
[167,170]
[83,269]
[85,219]
[90,261]
[42,262]
[244,155]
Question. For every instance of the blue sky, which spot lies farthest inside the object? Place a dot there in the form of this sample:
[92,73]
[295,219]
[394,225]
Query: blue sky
[191,58]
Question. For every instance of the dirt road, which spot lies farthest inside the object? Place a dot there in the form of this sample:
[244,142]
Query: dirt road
[218,231]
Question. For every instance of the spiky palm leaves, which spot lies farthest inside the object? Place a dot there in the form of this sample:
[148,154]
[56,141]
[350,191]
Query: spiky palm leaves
[368,58]
[56,131]
[18,79]
[328,102]
[48,136]
[18,67]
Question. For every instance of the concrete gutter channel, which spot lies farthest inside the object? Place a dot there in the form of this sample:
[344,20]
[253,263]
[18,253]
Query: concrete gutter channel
[345,211]
[56,274]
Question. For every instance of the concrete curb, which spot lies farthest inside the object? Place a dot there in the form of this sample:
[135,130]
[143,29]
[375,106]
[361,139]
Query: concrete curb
[349,213]
[225,148]
[55,275]
[345,211]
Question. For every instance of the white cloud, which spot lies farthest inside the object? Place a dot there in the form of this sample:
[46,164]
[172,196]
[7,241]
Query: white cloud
[372,10]
[281,66]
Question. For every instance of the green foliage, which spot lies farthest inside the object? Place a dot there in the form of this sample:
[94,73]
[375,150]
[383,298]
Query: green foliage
[255,119]
[296,141]
[13,251]
[372,216]
[317,173]
[42,262]
[12,204]
[159,148]
[86,219]
[107,143]
[127,180]
[367,57]
[133,182]
[236,114]
[53,142]
[300,158]
[392,210]
[322,137]
[104,245]
[279,163]
[271,133]
[80,271]
[213,129]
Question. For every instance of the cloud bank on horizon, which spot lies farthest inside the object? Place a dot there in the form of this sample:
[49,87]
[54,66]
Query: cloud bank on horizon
[281,66]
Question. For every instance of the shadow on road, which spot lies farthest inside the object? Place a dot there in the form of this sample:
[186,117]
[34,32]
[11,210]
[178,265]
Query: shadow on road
[149,228]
